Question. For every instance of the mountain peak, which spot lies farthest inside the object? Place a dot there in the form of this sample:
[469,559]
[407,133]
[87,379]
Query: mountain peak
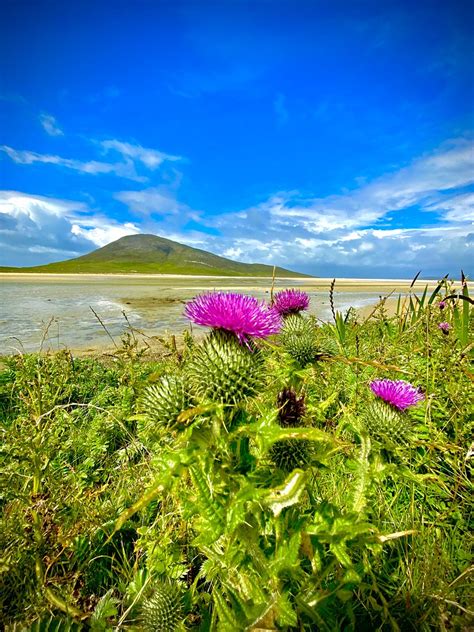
[151,254]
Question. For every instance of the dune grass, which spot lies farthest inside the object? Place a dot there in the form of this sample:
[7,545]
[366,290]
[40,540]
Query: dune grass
[134,498]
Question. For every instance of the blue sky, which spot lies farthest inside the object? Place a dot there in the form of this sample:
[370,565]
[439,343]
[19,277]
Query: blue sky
[334,138]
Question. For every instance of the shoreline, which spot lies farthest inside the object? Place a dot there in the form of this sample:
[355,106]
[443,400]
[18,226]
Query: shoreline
[314,282]
[156,348]
[193,284]
[153,302]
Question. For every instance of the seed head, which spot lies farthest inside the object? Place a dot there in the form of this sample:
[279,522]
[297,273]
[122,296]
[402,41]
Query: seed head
[291,407]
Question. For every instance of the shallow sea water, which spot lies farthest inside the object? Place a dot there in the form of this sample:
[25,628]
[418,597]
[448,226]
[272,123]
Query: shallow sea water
[153,305]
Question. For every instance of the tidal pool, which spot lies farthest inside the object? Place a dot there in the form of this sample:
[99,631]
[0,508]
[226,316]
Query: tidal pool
[55,312]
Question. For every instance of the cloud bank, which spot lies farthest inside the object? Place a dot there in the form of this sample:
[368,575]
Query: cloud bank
[36,229]
[420,216]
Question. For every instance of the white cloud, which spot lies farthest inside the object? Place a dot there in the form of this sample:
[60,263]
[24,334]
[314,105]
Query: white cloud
[151,158]
[105,233]
[12,97]
[351,233]
[131,156]
[50,125]
[56,251]
[155,200]
[420,183]
[91,167]
[457,208]
[55,229]
[233,253]
[16,204]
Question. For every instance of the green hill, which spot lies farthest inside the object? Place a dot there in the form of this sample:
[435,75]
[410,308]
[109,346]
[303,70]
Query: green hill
[149,254]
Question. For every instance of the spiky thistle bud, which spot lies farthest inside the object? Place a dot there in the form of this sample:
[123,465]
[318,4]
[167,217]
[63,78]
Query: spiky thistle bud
[294,323]
[291,408]
[164,401]
[386,417]
[289,454]
[298,337]
[384,421]
[163,611]
[222,370]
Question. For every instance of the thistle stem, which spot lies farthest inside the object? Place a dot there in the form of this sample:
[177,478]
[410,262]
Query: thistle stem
[360,499]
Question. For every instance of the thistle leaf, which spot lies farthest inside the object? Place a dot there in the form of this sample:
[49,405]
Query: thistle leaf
[286,616]
[227,621]
[287,494]
[207,504]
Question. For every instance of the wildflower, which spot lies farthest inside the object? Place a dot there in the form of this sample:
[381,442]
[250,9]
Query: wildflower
[290,302]
[445,327]
[244,316]
[397,393]
[442,305]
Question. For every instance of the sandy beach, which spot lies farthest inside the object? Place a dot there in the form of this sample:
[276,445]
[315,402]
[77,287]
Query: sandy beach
[194,282]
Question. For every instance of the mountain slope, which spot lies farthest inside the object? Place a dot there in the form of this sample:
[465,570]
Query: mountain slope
[154,255]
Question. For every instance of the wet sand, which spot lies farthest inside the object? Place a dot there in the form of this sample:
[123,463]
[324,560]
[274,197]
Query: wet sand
[194,282]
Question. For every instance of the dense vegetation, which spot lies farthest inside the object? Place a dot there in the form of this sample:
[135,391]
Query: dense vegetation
[227,486]
[149,254]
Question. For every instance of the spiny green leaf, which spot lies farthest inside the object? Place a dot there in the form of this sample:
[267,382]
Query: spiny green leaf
[341,554]
[55,624]
[287,494]
[105,608]
[226,620]
[207,503]
[286,615]
[287,554]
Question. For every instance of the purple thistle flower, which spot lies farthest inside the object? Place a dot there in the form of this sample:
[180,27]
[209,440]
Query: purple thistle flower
[445,327]
[398,393]
[290,301]
[442,304]
[242,315]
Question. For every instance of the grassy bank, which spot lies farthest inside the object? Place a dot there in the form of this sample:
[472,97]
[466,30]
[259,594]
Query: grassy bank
[214,486]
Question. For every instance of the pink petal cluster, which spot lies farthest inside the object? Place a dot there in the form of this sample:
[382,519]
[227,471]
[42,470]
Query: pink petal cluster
[445,327]
[398,393]
[245,316]
[290,301]
[442,304]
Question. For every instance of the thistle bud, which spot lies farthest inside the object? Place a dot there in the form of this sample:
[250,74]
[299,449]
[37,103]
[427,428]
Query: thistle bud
[289,454]
[386,422]
[164,401]
[163,611]
[223,370]
[298,337]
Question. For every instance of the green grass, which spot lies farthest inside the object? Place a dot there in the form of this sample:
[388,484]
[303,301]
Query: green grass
[116,504]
